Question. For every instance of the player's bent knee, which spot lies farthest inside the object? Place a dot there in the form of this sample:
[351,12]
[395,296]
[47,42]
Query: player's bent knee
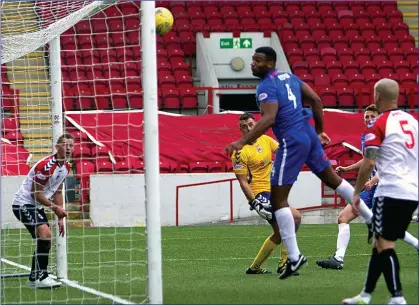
[276,238]
[347,215]
[297,216]
[43,232]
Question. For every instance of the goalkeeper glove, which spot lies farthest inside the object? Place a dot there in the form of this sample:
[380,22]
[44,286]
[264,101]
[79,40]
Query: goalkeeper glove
[261,209]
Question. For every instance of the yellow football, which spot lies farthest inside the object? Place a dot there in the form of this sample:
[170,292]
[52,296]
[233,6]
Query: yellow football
[164,20]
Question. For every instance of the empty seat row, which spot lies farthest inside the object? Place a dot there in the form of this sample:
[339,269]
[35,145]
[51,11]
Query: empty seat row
[171,99]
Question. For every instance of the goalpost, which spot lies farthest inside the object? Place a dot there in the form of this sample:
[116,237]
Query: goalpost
[99,264]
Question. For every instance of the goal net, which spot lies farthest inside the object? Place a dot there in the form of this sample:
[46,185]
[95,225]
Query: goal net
[60,57]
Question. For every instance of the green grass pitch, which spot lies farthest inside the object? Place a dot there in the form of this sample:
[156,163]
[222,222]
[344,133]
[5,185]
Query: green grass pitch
[205,265]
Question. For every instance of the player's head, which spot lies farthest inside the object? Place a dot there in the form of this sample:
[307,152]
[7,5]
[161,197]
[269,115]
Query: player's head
[370,114]
[246,122]
[64,146]
[386,93]
[263,60]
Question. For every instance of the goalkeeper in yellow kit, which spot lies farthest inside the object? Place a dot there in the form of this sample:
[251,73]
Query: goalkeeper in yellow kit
[252,166]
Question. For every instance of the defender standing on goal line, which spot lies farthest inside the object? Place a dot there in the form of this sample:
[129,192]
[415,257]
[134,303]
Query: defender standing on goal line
[45,180]
[280,96]
[391,144]
[252,166]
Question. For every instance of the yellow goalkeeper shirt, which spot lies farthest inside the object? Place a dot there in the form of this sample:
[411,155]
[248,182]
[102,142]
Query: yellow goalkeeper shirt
[255,161]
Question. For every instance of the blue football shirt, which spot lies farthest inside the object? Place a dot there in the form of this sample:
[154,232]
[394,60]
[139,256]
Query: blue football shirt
[285,89]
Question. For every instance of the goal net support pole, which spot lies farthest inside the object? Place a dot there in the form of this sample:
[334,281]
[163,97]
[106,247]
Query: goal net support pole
[57,131]
[151,152]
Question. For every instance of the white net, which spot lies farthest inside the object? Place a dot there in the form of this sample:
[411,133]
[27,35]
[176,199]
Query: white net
[101,69]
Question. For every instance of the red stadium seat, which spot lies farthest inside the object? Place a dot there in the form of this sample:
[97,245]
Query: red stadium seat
[84,168]
[356,80]
[122,167]
[104,166]
[368,67]
[323,41]
[171,99]
[100,151]
[216,167]
[351,67]
[328,96]
[334,67]
[322,80]
[81,151]
[198,167]
[300,67]
[328,54]
[189,99]
[408,79]
[317,67]
[401,67]
[339,80]
[346,97]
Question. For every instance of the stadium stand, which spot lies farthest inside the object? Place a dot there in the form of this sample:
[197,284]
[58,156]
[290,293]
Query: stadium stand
[345,45]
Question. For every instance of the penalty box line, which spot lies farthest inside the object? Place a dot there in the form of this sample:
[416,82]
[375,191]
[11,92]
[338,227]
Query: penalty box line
[75,285]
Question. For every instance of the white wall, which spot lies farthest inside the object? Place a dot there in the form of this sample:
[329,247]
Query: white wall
[118,200]
[10,185]
[221,58]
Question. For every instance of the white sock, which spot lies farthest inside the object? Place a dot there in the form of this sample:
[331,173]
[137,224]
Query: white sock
[346,190]
[343,241]
[410,239]
[286,226]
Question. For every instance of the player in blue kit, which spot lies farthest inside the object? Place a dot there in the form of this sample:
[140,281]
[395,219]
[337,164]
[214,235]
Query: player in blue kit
[280,98]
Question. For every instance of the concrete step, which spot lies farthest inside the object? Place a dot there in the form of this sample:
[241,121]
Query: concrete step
[21,74]
[31,144]
[27,68]
[40,152]
[28,61]
[31,87]
[38,136]
[24,108]
[8,31]
[34,54]
[7,4]
[35,122]
[35,115]
[34,95]
[38,130]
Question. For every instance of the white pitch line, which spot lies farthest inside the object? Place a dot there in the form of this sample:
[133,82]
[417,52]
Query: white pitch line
[75,285]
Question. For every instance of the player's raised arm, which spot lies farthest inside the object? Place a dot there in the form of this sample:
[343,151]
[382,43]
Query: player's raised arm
[316,106]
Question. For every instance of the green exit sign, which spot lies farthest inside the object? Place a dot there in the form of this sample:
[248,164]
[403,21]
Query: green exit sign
[236,43]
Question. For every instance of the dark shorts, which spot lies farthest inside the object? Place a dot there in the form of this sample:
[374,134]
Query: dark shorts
[391,217]
[265,197]
[30,216]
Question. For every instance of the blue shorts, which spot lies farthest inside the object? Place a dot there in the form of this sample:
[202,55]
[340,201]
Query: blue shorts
[368,196]
[296,149]
[265,197]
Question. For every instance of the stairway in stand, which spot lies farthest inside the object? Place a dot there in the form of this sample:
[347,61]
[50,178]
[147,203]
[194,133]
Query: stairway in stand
[410,16]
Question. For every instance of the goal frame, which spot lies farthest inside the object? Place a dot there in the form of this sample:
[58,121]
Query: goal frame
[151,154]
